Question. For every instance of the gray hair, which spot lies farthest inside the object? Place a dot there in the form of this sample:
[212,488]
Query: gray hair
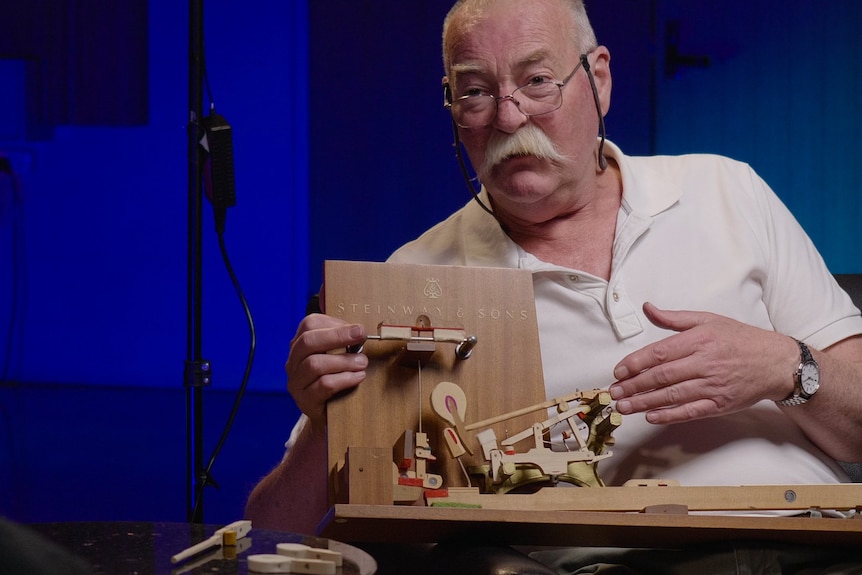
[584,36]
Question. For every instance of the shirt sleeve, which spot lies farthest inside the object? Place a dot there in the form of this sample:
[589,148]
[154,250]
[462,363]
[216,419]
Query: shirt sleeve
[800,292]
[294,433]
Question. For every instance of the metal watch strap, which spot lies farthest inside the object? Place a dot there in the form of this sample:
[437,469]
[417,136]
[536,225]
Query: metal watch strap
[804,351]
[796,397]
[793,400]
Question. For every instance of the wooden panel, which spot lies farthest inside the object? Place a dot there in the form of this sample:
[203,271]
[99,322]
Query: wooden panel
[495,305]
[369,478]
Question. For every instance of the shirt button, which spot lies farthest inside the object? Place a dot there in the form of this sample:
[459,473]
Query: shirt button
[574,278]
[616,297]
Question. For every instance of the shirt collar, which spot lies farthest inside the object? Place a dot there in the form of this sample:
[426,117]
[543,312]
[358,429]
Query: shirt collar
[643,192]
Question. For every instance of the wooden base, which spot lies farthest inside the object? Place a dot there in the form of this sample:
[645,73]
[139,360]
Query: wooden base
[398,524]
[738,499]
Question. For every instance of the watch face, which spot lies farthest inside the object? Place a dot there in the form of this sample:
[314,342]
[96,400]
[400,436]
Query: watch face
[810,378]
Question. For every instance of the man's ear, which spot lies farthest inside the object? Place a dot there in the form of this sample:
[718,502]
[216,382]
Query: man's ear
[601,69]
[447,91]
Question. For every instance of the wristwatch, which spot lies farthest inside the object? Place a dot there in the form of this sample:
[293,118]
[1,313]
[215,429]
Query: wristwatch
[806,380]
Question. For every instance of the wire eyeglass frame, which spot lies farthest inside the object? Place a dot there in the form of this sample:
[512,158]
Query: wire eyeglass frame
[484,100]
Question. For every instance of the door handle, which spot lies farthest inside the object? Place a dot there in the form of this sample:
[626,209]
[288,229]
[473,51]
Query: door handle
[673,58]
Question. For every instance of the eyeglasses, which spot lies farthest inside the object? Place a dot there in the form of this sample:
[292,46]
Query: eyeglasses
[478,109]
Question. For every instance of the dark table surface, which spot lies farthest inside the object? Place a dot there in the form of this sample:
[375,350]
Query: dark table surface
[139,548]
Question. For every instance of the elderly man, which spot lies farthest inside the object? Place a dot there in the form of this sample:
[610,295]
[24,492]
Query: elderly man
[681,281]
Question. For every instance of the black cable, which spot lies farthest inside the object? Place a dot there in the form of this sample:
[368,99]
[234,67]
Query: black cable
[206,478]
[206,78]
[466,175]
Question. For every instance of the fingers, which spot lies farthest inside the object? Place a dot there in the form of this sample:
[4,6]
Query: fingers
[312,393]
[668,349]
[691,357]
[714,365]
[313,374]
[675,320]
[698,409]
[318,333]
[693,398]
[657,354]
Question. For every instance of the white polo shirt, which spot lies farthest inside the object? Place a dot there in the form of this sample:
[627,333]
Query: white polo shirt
[698,232]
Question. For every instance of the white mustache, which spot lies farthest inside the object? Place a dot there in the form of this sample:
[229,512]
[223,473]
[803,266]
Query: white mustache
[527,141]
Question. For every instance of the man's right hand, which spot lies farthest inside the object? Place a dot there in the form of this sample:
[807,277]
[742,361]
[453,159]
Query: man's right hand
[313,375]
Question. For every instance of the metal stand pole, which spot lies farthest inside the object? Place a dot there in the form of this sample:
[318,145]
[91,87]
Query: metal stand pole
[197,370]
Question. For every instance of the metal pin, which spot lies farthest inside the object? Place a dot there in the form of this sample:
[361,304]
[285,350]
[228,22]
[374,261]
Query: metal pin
[464,349]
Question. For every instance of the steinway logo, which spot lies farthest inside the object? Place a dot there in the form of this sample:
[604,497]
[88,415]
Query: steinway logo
[433,289]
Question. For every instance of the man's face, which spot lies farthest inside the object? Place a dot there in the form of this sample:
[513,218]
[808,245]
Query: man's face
[510,45]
